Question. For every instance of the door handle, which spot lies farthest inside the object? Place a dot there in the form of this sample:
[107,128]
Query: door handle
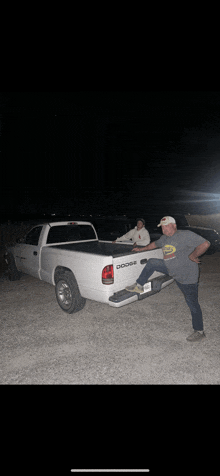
[143,261]
[35,253]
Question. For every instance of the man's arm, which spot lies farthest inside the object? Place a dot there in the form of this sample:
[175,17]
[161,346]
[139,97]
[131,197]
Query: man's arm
[151,246]
[198,251]
[127,236]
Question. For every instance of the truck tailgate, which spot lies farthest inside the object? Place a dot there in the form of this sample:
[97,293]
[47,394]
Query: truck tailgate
[124,276]
[128,268]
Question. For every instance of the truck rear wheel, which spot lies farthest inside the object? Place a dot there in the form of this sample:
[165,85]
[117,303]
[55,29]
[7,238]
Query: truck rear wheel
[67,292]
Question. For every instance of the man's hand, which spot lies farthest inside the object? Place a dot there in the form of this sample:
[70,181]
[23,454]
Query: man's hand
[194,258]
[198,251]
[151,246]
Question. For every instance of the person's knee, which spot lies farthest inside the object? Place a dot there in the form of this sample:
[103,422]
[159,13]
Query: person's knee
[152,260]
[155,262]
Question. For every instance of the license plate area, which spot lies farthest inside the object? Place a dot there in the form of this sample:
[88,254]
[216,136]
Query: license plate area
[147,288]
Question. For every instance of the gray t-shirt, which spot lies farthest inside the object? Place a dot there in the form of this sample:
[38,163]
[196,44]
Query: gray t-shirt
[176,251]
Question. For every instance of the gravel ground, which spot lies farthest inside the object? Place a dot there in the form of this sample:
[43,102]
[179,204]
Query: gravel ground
[141,343]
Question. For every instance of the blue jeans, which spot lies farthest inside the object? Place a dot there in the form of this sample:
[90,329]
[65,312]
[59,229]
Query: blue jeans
[190,291]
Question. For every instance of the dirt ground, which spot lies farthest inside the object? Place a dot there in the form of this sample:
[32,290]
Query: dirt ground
[141,343]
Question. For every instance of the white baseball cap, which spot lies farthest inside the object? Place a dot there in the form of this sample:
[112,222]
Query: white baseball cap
[166,221]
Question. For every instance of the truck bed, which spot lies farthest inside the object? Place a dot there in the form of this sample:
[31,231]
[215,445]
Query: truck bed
[98,248]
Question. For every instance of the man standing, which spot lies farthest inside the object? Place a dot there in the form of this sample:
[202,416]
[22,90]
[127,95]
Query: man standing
[139,235]
[181,249]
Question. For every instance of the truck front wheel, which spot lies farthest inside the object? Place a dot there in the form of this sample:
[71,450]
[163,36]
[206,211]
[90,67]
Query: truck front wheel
[13,273]
[67,292]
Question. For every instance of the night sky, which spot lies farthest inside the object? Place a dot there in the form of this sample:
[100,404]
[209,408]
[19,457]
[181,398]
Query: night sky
[109,152]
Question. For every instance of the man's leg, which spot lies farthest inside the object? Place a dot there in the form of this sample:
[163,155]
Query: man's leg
[152,265]
[190,292]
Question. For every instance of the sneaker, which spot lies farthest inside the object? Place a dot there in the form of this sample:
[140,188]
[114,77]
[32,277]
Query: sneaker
[135,288]
[196,336]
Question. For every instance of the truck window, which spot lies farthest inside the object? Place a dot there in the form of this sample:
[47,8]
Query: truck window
[67,233]
[33,236]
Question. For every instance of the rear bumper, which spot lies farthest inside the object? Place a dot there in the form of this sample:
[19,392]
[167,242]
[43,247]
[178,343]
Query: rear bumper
[123,297]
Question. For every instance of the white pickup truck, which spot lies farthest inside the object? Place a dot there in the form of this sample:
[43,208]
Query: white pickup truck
[69,256]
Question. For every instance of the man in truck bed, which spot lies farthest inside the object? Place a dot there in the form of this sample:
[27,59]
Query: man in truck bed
[139,235]
[181,250]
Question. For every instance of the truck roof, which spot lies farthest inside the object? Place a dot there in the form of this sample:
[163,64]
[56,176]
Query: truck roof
[57,223]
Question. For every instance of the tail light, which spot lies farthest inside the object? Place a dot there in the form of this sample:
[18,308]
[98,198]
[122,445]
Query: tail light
[108,275]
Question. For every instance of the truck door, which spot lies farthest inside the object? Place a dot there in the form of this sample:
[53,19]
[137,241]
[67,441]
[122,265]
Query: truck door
[28,253]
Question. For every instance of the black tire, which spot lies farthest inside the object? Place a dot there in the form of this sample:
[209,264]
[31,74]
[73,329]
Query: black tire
[67,292]
[13,273]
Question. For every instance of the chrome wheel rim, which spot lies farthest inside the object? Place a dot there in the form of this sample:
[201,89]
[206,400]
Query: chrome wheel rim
[64,294]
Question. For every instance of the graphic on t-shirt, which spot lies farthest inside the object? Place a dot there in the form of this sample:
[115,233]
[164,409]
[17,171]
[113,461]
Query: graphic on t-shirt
[169,252]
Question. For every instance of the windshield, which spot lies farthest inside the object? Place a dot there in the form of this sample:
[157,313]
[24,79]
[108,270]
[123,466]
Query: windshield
[67,233]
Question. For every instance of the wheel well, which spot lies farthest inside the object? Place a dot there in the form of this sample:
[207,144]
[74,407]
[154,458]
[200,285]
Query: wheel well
[58,271]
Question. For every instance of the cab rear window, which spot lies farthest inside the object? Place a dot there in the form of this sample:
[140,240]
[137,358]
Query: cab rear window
[67,233]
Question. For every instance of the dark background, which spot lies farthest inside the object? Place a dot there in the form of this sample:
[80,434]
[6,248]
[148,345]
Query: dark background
[134,153]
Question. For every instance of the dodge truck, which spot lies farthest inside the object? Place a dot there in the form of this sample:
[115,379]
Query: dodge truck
[69,256]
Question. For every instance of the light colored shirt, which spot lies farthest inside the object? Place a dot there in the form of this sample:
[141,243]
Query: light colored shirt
[141,237]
